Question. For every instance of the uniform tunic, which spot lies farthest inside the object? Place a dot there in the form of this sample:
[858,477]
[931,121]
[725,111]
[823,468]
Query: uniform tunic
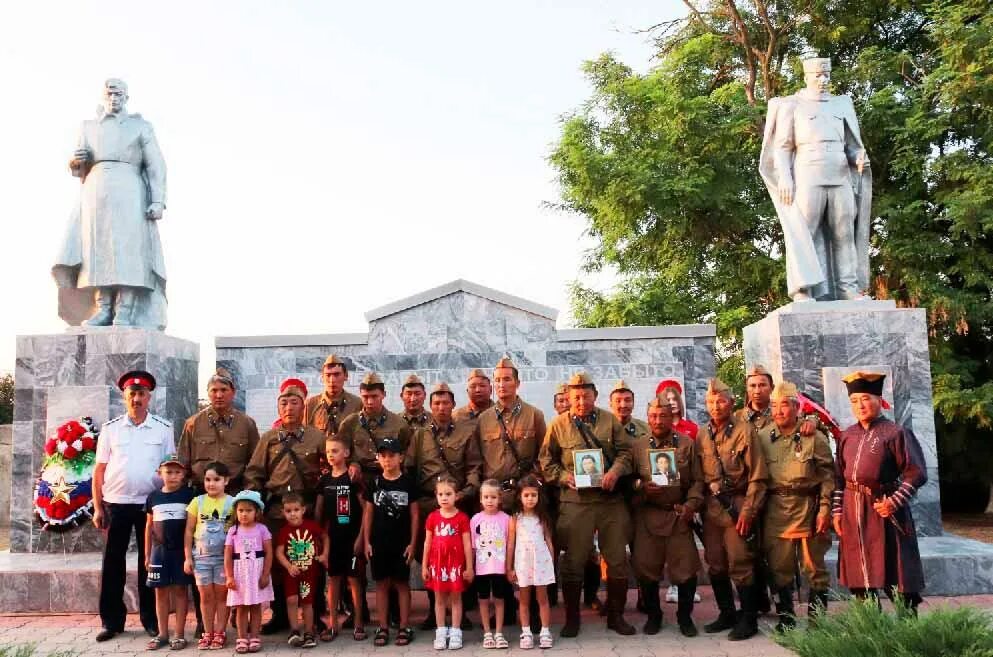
[758,419]
[636,428]
[526,428]
[468,412]
[273,474]
[801,482]
[588,510]
[733,459]
[362,434]
[660,537]
[326,414]
[417,420]
[883,460]
[208,437]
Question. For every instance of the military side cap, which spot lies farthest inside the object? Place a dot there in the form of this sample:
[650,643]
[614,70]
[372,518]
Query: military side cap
[816,64]
[717,387]
[562,389]
[580,380]
[621,386]
[668,383]
[659,402]
[442,389]
[334,360]
[413,381]
[372,379]
[758,370]
[293,387]
[136,378]
[869,382]
[477,372]
[390,445]
[785,390]
[505,361]
[221,375]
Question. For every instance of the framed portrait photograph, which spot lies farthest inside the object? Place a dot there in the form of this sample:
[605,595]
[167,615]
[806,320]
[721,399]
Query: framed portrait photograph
[588,467]
[663,463]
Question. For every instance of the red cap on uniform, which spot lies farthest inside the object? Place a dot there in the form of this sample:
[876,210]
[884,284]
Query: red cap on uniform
[293,387]
[669,383]
[136,378]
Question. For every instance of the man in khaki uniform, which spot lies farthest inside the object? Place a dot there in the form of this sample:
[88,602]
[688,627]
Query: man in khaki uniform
[585,511]
[443,447]
[510,433]
[412,395]
[480,392]
[363,431]
[326,411]
[735,472]
[662,518]
[560,400]
[287,458]
[622,406]
[219,432]
[797,505]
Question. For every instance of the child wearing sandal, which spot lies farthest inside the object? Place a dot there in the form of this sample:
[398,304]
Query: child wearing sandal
[530,564]
[248,568]
[489,530]
[389,527]
[165,528]
[339,511]
[206,530]
[300,546]
[447,567]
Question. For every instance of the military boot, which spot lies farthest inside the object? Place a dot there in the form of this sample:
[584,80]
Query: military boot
[571,591]
[124,308]
[724,595]
[617,595]
[684,607]
[747,625]
[105,308]
[653,607]
[784,608]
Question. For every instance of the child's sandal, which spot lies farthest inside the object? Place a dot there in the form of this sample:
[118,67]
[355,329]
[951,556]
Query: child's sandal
[500,640]
[328,634]
[381,637]
[488,641]
[254,644]
[404,636]
[206,641]
[157,642]
[219,640]
[177,643]
[241,646]
[359,634]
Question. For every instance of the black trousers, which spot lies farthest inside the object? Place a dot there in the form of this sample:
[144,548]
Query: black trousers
[121,520]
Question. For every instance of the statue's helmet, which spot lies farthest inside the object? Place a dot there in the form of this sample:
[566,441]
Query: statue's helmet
[817,65]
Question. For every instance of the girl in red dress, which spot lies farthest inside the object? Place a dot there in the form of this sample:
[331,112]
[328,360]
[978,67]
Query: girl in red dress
[447,568]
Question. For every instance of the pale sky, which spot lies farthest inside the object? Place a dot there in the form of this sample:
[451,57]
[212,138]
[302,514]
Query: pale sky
[323,158]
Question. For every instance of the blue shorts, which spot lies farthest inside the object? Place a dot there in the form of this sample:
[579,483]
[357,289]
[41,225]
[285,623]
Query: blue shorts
[208,569]
[165,568]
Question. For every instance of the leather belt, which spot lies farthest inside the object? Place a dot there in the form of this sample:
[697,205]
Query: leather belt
[791,491]
[869,490]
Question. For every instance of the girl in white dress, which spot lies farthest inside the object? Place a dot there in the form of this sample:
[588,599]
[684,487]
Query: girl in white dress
[530,563]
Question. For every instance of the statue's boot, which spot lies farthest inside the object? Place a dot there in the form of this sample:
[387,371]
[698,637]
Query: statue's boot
[105,308]
[802,295]
[124,308]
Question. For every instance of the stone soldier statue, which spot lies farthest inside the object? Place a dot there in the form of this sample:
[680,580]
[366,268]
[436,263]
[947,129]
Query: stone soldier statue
[797,514]
[586,511]
[815,166]
[110,269]
[879,467]
[663,517]
[735,472]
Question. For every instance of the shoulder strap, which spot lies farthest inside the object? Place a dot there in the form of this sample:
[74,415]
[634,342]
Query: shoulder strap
[443,456]
[593,442]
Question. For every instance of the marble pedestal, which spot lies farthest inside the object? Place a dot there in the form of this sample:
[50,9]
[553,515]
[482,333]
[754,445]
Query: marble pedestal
[815,344]
[65,375]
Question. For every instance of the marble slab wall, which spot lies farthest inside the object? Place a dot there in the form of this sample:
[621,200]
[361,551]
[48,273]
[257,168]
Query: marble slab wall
[62,376]
[815,344]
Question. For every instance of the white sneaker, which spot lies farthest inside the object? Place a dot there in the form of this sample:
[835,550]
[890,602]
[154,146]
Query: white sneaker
[527,640]
[455,639]
[545,638]
[441,638]
[672,595]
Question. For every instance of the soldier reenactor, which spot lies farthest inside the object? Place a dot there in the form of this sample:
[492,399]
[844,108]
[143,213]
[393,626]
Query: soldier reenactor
[480,392]
[585,511]
[442,448]
[735,472]
[326,411]
[412,395]
[622,406]
[662,518]
[364,430]
[797,514]
[879,468]
[560,400]
[287,458]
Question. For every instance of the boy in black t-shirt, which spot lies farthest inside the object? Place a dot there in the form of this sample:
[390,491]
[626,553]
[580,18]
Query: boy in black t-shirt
[389,528]
[165,538]
[339,510]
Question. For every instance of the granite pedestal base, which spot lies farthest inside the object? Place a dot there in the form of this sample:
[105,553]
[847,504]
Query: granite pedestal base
[815,344]
[66,375]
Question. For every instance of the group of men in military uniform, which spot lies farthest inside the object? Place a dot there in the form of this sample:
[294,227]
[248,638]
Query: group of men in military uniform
[760,479]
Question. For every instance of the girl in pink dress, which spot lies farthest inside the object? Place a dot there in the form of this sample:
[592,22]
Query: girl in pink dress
[447,567]
[247,567]
[529,559]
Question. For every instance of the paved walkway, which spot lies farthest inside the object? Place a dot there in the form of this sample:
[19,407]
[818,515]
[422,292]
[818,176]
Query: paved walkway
[75,632]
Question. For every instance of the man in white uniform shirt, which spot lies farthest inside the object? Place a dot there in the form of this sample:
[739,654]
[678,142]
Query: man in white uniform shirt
[129,450]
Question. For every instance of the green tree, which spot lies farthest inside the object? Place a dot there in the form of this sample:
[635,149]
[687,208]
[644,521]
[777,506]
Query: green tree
[662,166]
[6,399]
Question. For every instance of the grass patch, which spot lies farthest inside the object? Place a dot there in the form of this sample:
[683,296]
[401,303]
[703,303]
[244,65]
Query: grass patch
[861,629]
[30,650]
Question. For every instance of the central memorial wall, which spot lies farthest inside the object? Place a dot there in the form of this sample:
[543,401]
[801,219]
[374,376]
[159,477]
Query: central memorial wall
[443,333]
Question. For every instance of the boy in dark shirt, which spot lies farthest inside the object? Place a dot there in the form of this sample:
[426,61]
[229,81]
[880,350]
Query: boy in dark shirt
[165,537]
[389,527]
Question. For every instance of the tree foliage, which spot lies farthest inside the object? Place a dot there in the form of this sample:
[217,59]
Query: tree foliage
[663,167]
[6,399]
